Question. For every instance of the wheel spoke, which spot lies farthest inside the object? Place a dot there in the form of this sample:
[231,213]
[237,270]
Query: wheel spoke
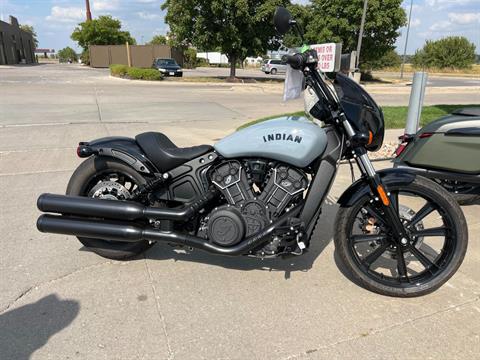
[372,257]
[401,266]
[436,231]
[421,257]
[367,238]
[426,210]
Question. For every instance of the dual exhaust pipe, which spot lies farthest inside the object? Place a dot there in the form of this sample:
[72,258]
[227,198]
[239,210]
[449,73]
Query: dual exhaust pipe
[120,222]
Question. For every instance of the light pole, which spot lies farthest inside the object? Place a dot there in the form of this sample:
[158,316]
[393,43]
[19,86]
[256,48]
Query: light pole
[360,34]
[89,14]
[406,40]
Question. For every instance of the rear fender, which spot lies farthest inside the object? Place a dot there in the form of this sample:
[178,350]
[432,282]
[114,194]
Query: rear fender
[361,188]
[122,148]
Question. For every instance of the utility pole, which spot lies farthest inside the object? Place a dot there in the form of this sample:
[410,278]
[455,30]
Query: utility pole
[89,14]
[406,40]
[360,35]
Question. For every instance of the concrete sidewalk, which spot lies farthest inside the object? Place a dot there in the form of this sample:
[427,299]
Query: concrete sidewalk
[58,301]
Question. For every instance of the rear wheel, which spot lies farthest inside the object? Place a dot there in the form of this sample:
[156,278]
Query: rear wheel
[107,178]
[435,248]
[273,71]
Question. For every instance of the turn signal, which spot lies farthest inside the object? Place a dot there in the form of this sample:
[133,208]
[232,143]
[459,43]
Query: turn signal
[383,195]
[370,137]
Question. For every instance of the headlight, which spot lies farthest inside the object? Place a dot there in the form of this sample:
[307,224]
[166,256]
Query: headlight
[161,69]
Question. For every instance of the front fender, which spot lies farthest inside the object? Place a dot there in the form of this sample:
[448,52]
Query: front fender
[122,148]
[360,188]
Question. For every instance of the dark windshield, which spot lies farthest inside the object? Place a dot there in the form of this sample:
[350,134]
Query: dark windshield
[360,108]
[166,62]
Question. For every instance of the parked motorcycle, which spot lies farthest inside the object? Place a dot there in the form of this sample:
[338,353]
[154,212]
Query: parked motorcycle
[259,192]
[447,151]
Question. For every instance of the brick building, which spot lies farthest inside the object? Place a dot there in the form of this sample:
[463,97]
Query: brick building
[16,45]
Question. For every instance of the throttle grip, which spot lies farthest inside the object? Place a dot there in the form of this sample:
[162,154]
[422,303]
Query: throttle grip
[296,61]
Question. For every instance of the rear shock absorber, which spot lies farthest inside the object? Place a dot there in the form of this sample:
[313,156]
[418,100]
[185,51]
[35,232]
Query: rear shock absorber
[150,185]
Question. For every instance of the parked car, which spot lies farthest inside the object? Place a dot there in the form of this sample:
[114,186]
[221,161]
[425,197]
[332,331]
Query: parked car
[273,67]
[168,67]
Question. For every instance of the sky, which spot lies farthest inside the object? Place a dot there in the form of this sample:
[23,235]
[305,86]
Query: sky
[54,20]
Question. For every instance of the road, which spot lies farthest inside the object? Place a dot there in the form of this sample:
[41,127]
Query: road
[433,81]
[58,301]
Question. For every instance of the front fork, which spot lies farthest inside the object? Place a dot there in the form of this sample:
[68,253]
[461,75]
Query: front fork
[387,201]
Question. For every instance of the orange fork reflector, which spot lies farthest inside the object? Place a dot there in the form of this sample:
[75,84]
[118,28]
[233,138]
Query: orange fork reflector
[370,137]
[383,195]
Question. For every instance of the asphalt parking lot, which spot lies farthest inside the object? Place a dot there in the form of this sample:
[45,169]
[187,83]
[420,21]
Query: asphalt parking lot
[58,301]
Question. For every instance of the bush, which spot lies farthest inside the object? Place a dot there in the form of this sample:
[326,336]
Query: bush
[143,74]
[67,54]
[389,59]
[118,70]
[454,52]
[190,58]
[85,57]
[135,73]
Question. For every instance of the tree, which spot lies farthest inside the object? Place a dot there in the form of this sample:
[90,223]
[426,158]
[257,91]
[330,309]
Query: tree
[190,58]
[158,40]
[339,21]
[389,59]
[102,31]
[31,30]
[450,52]
[67,54]
[238,28]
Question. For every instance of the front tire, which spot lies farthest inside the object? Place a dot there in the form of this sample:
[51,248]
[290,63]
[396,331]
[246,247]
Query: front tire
[410,270]
[273,71]
[83,180]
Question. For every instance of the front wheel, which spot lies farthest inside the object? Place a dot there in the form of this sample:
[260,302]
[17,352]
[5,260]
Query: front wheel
[434,249]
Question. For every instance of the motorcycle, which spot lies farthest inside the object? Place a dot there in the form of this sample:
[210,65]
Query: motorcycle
[447,151]
[259,192]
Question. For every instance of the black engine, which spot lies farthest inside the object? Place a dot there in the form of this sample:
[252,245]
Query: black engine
[257,192]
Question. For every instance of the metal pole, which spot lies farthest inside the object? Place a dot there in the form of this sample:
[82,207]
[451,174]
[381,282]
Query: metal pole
[89,14]
[416,102]
[406,40]
[360,35]
[129,55]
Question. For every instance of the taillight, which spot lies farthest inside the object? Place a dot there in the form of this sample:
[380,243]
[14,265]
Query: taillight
[425,135]
[400,149]
[83,150]
[404,141]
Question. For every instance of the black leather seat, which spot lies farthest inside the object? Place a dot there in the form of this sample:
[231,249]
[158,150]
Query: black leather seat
[164,154]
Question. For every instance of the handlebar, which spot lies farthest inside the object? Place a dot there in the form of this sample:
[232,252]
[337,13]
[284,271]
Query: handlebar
[296,61]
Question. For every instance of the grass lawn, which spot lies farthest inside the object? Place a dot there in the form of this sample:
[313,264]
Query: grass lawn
[395,116]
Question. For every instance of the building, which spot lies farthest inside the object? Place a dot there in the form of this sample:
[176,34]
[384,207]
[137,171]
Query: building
[16,45]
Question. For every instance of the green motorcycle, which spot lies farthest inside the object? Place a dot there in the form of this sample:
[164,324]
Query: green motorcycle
[447,151]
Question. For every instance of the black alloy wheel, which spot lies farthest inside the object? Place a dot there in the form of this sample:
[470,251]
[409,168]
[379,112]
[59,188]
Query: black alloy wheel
[414,265]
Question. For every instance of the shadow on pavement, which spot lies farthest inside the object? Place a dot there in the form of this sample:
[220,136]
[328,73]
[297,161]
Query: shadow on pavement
[27,328]
[321,238]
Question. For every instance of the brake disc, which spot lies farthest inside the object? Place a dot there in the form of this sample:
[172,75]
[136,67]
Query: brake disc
[109,190]
[407,214]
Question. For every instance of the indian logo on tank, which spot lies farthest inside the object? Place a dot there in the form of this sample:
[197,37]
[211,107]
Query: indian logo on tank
[282,137]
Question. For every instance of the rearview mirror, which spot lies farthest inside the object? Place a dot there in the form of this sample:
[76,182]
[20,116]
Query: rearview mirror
[282,20]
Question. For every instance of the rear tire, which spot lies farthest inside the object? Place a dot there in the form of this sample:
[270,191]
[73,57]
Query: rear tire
[273,71]
[82,181]
[363,271]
